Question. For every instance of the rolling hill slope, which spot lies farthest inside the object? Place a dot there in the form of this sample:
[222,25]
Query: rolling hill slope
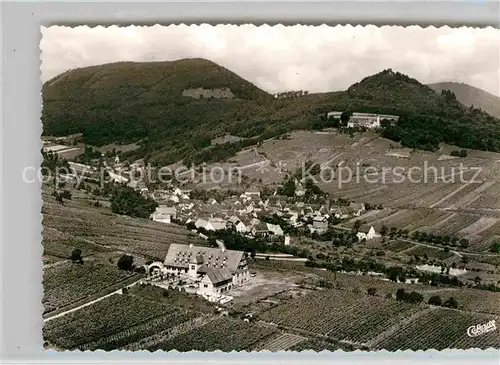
[159,104]
[470,95]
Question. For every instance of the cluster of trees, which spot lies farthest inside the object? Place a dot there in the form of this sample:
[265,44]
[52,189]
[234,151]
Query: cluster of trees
[127,201]
[415,297]
[495,247]
[88,155]
[394,273]
[204,195]
[236,241]
[459,153]
[62,195]
[76,256]
[448,303]
[412,297]
[439,239]
[219,152]
[291,94]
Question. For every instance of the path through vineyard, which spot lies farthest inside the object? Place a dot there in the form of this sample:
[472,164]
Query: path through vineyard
[119,291]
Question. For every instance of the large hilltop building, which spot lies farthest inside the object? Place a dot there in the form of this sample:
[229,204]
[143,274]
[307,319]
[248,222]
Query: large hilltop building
[367,120]
[216,270]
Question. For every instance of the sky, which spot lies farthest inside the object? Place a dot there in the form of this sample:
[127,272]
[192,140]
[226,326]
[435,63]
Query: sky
[279,58]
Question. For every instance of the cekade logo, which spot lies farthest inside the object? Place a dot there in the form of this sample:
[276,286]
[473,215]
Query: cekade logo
[480,329]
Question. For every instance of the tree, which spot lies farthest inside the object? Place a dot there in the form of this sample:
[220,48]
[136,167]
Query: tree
[464,242]
[372,291]
[451,303]
[495,247]
[414,297]
[477,280]
[126,262]
[76,256]
[383,230]
[344,117]
[356,226]
[127,201]
[400,294]
[435,300]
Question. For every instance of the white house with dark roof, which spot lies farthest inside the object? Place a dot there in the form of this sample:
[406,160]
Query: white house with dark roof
[216,270]
[164,214]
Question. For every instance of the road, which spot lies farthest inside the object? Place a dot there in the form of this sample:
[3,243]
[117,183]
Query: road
[91,302]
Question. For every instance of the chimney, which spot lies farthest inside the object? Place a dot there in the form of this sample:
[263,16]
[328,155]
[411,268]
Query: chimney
[190,245]
[223,249]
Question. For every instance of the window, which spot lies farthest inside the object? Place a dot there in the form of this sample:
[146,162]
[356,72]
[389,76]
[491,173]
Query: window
[193,267]
[205,285]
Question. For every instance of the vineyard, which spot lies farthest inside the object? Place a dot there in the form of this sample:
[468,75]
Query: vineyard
[107,317]
[279,342]
[225,334]
[68,282]
[76,224]
[441,329]
[430,252]
[340,315]
[397,246]
[318,345]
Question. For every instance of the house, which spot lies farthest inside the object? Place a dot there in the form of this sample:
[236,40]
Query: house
[201,223]
[215,224]
[342,213]
[236,222]
[320,223]
[260,229]
[357,208]
[275,229]
[371,234]
[252,191]
[215,270]
[164,214]
[334,115]
[299,189]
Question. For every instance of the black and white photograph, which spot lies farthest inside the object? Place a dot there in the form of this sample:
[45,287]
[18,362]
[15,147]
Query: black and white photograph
[270,188]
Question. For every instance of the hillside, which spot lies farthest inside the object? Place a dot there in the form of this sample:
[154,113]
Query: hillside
[176,108]
[470,95]
[427,118]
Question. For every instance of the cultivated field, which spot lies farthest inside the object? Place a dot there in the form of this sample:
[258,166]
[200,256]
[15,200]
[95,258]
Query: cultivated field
[340,315]
[108,317]
[76,224]
[224,334]
[67,283]
[441,329]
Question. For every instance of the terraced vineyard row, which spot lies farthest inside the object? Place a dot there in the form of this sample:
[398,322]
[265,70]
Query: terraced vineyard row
[280,342]
[442,329]
[67,226]
[67,282]
[102,319]
[340,315]
[225,334]
[133,334]
[318,345]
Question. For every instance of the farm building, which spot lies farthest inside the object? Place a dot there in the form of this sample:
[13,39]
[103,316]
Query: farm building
[320,223]
[164,214]
[371,234]
[216,270]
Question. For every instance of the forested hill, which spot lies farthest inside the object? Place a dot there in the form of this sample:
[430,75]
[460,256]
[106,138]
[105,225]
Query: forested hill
[176,108]
[470,95]
[428,118]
